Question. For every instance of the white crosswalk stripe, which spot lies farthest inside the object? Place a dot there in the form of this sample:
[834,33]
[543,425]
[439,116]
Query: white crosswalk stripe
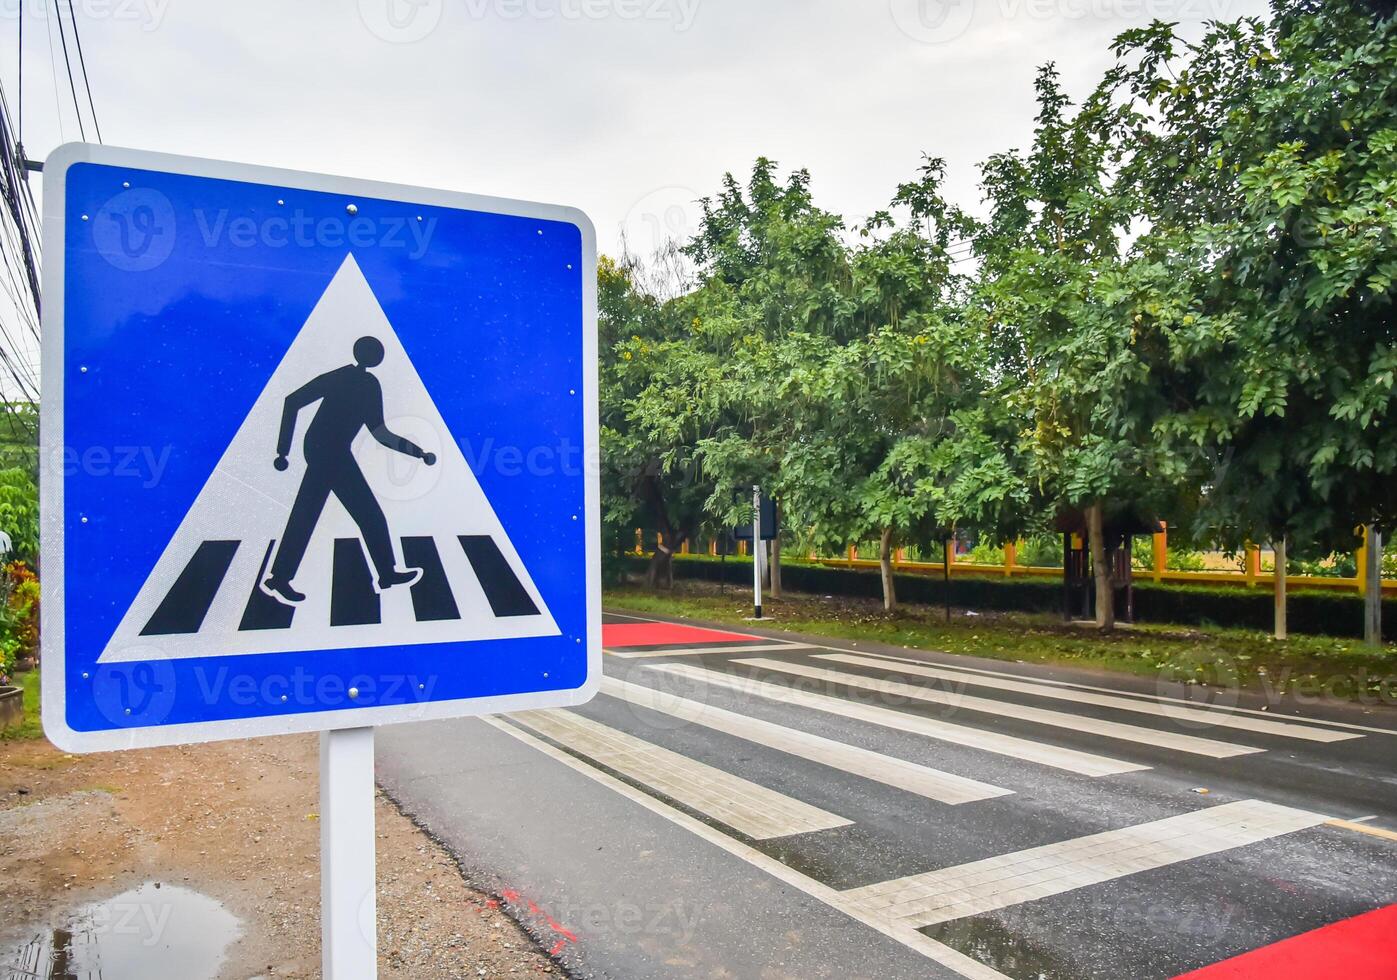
[932,783]
[1041,716]
[995,883]
[1176,712]
[1162,698]
[1070,760]
[754,810]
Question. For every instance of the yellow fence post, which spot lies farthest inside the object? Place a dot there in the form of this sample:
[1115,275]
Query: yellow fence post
[853,553]
[1011,554]
[1253,564]
[639,541]
[1161,552]
[1361,557]
[684,548]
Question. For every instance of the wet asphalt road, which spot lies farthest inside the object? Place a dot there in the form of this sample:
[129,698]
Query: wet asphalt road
[633,862]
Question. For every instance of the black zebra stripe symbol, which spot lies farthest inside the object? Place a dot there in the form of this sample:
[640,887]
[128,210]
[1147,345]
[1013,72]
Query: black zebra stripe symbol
[353,599]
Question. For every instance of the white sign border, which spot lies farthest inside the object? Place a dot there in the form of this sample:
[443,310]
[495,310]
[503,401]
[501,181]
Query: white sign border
[51,443]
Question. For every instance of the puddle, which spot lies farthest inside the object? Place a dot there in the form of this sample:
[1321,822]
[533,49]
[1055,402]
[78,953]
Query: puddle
[151,931]
[995,945]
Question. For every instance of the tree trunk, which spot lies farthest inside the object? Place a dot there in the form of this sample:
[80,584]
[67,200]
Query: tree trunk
[660,574]
[776,568]
[1101,569]
[885,566]
[946,547]
[659,570]
[667,537]
[1279,547]
[1372,592]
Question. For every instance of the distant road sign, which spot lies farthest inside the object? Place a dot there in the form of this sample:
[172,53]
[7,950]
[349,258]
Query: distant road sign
[316,452]
[771,526]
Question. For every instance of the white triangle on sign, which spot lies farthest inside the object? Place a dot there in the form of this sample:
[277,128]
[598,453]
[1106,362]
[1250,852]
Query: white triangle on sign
[247,501]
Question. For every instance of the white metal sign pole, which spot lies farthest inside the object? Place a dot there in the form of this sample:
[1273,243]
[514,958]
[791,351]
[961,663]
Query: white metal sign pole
[757,552]
[348,902]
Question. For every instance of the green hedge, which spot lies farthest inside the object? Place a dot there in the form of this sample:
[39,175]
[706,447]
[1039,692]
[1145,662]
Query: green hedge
[1323,613]
[1312,611]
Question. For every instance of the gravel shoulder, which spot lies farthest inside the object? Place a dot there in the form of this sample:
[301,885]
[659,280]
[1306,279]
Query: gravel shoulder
[237,822]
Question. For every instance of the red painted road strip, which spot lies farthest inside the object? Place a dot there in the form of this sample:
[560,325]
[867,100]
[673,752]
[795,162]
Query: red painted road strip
[1355,949]
[617,635]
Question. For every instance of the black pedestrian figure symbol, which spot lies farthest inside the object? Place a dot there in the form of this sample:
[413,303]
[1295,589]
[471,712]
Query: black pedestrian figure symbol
[350,399]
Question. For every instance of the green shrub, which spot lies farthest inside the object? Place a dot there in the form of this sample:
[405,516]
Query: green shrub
[1044,551]
[19,513]
[1335,566]
[985,553]
[1310,611]
[19,617]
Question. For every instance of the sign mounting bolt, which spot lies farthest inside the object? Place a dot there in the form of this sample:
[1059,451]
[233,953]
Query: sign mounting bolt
[352,208]
[353,693]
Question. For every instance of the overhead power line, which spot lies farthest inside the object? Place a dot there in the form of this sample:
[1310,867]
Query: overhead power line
[82,64]
[72,87]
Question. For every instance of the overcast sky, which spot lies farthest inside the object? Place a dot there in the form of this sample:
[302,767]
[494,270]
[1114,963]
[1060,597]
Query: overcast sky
[629,109]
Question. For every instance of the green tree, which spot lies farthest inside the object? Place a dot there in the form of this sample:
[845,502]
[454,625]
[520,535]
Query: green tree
[772,266]
[1265,160]
[1081,330]
[866,409]
[648,474]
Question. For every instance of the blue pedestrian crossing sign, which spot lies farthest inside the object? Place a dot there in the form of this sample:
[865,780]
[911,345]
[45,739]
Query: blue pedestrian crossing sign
[318,452]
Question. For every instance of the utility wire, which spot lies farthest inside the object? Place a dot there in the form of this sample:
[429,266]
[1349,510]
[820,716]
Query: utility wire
[53,72]
[82,63]
[19,53]
[72,86]
[20,261]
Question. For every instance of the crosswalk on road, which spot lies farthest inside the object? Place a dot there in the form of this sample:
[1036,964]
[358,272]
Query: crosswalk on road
[1175,712]
[1026,750]
[1043,716]
[936,785]
[770,743]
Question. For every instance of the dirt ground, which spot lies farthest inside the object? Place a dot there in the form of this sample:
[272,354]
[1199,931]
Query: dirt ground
[236,822]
